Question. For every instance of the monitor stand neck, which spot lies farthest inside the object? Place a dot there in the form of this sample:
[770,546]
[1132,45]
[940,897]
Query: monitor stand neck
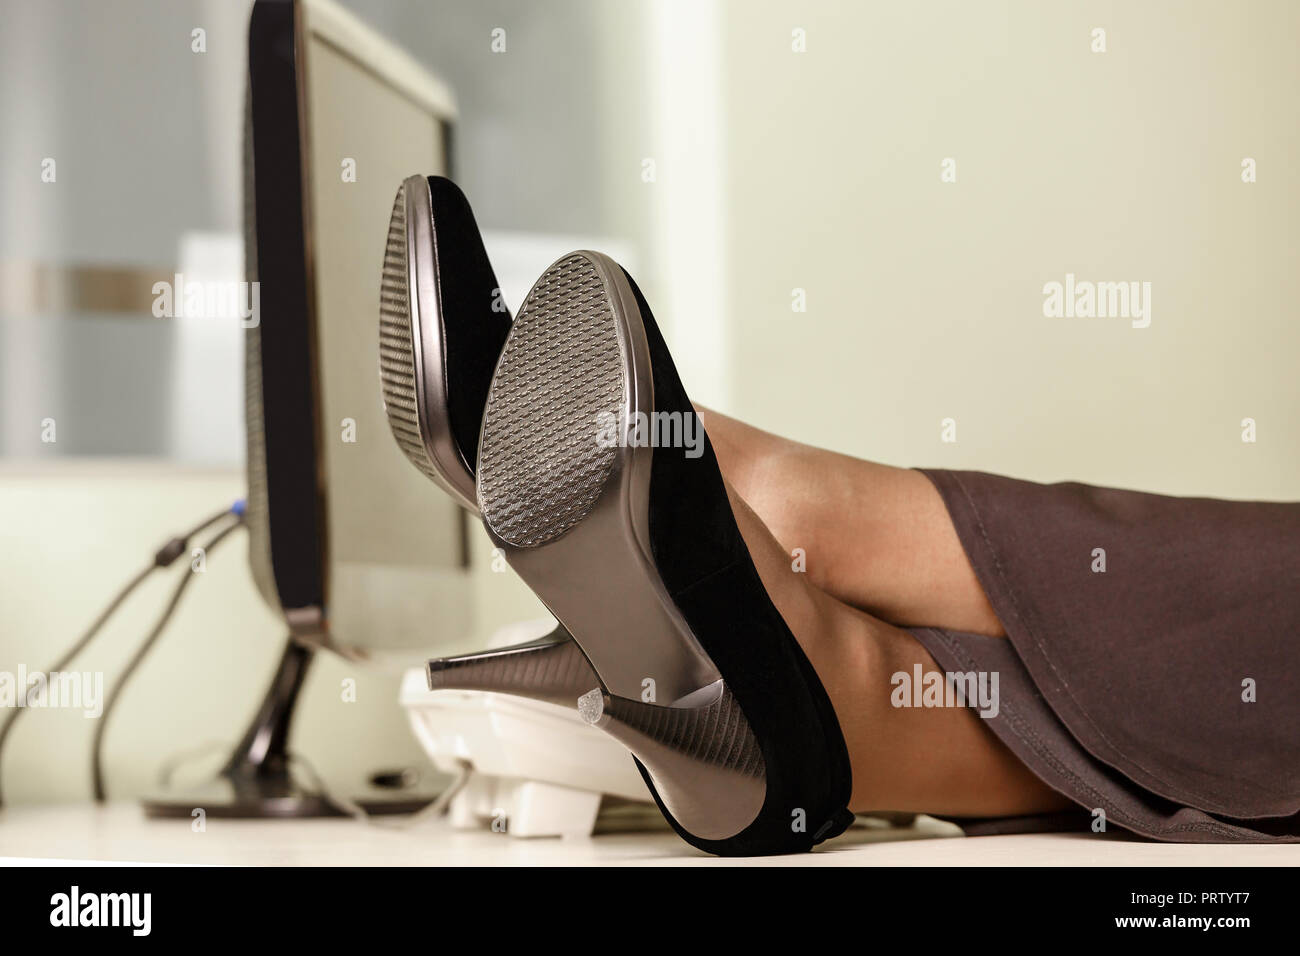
[257,780]
[264,751]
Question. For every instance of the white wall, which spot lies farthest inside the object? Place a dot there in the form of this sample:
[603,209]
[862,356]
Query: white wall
[924,298]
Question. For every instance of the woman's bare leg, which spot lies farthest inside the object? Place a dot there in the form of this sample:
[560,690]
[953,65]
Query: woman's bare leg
[934,760]
[876,537]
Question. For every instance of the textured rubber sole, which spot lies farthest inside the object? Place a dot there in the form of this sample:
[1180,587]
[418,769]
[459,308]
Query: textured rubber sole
[413,343]
[542,469]
[396,346]
[570,509]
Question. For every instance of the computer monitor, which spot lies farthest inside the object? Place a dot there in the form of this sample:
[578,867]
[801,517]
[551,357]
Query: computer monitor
[354,546]
[346,536]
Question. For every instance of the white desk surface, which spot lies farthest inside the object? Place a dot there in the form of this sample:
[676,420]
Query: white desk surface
[120,833]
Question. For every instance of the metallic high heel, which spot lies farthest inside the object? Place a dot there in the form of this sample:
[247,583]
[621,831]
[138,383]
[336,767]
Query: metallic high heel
[590,485]
[442,326]
[707,767]
[551,669]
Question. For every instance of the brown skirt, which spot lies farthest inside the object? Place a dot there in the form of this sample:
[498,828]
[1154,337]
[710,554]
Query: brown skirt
[1152,670]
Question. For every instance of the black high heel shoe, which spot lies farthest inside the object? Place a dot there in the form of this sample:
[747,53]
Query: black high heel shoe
[441,329]
[636,550]
[442,326]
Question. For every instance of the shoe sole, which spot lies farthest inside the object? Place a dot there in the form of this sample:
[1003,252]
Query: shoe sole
[570,510]
[412,345]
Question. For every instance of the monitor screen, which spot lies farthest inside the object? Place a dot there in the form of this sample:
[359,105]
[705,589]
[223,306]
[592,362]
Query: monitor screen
[390,548]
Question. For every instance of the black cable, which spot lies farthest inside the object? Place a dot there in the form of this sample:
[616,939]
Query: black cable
[164,556]
[97,768]
[178,545]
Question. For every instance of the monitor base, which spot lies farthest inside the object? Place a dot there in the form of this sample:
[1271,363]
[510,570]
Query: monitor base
[270,796]
[257,781]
